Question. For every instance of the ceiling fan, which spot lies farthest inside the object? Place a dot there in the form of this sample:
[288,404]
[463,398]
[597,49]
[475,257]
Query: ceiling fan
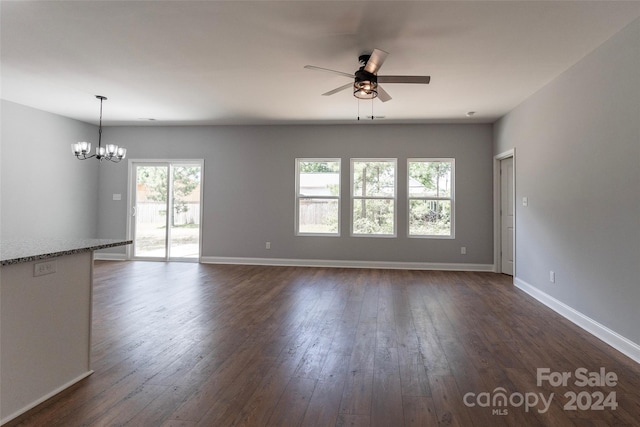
[366,78]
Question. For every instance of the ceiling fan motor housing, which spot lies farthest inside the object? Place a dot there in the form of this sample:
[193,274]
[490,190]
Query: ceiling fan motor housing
[363,59]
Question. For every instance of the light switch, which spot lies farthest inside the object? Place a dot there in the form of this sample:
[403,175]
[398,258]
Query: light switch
[117,196]
[525,201]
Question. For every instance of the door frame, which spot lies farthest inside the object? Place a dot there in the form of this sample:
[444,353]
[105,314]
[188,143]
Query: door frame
[131,185]
[497,202]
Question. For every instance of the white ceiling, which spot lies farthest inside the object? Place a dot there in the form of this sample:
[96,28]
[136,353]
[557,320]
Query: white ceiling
[241,62]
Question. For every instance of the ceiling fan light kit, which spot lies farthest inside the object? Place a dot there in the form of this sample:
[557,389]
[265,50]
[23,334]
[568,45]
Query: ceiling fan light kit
[365,85]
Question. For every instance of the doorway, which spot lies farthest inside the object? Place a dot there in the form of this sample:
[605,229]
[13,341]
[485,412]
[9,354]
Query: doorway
[166,209]
[504,213]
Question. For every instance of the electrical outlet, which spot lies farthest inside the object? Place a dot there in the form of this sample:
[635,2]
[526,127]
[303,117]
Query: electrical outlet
[42,268]
[267,245]
[552,276]
[463,250]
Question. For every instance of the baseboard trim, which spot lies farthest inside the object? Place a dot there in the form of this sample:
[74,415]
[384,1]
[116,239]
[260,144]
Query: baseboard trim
[347,264]
[101,256]
[614,339]
[44,398]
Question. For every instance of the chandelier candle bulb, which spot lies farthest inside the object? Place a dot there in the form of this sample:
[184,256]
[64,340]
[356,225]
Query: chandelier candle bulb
[81,148]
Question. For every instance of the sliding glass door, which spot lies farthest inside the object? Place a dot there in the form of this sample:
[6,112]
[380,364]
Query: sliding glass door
[166,209]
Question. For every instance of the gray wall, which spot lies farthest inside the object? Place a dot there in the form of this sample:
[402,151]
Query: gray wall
[578,161]
[45,190]
[249,186]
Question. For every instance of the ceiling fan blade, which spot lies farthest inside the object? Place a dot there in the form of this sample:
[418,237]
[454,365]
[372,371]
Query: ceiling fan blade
[404,79]
[338,89]
[375,61]
[383,95]
[313,67]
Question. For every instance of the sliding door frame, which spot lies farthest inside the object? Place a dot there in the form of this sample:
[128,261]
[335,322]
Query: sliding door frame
[131,182]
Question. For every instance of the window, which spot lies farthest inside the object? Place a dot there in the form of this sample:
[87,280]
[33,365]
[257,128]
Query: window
[373,197]
[318,197]
[431,201]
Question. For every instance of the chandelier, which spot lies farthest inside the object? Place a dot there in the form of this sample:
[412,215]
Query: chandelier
[109,152]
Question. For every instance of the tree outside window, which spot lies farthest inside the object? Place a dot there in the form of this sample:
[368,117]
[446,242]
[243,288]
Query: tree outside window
[373,197]
[185,180]
[431,189]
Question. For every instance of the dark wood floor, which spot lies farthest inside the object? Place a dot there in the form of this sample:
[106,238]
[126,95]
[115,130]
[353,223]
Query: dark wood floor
[179,344]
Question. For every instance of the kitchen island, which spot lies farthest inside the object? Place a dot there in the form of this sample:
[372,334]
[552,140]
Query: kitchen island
[45,318]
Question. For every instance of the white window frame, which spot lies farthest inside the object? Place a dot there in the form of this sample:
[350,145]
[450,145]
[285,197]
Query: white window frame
[451,199]
[299,197]
[353,197]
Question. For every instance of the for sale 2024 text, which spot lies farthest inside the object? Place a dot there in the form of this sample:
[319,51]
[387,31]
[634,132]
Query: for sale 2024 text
[582,377]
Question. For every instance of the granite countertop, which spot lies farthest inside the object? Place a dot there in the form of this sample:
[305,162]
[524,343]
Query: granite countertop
[15,251]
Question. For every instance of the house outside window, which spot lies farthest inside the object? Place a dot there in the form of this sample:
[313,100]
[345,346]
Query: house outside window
[318,197]
[431,206]
[373,197]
